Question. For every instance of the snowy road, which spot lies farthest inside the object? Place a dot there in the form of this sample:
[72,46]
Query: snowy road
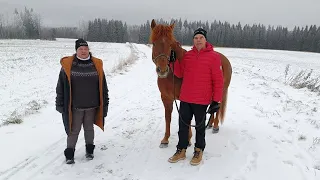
[269,133]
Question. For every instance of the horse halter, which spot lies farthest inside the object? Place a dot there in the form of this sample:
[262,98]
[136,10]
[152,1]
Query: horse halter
[162,54]
[170,58]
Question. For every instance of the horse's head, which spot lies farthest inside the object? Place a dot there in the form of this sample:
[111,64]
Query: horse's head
[161,38]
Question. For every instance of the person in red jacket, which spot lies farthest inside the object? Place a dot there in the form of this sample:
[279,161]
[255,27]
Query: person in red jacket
[202,86]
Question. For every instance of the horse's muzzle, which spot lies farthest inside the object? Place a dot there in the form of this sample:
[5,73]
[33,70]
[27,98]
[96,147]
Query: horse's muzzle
[162,74]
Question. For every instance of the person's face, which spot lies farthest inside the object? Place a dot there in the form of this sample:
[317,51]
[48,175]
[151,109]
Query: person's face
[199,41]
[83,52]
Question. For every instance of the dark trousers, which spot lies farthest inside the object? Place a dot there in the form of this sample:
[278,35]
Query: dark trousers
[187,111]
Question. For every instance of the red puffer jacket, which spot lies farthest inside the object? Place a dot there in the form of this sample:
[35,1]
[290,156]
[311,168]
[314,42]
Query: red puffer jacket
[202,76]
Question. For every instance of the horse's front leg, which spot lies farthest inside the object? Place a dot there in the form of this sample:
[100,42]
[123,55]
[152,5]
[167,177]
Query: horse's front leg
[215,128]
[190,135]
[168,107]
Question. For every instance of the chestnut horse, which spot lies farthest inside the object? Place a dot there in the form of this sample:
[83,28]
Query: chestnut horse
[163,41]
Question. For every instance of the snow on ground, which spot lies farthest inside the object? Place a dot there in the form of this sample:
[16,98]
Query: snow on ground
[30,69]
[271,130]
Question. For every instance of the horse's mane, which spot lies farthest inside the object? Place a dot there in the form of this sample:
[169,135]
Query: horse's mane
[161,30]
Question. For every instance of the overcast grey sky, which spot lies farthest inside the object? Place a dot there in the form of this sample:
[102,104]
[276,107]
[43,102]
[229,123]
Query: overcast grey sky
[287,13]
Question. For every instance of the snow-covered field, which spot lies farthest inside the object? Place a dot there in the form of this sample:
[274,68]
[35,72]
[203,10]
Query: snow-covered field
[272,131]
[29,71]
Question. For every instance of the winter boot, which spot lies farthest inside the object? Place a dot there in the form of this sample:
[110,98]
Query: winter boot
[197,157]
[179,155]
[89,151]
[69,153]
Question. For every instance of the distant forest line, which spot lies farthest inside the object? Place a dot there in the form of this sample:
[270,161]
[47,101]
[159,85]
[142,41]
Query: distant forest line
[27,25]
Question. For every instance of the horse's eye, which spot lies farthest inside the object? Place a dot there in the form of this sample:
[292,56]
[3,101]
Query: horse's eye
[153,44]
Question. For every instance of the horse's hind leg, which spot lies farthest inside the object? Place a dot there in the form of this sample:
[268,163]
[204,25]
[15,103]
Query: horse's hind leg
[168,106]
[214,121]
[215,128]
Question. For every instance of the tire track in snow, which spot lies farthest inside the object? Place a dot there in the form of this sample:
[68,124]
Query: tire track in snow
[33,161]
[53,155]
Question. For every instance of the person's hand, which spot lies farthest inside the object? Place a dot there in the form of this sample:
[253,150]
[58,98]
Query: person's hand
[214,107]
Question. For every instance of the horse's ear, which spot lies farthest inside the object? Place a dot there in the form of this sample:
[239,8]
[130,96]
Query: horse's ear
[153,24]
[172,25]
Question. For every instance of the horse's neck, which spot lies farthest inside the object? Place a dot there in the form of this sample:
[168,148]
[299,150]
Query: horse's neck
[180,52]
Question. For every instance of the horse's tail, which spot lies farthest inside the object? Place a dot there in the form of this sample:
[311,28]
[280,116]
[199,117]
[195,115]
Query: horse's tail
[227,73]
[223,107]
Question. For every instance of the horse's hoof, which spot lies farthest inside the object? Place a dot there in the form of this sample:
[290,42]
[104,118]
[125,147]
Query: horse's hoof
[215,130]
[209,126]
[163,145]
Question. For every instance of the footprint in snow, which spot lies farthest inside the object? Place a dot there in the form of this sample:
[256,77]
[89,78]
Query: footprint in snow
[99,168]
[103,148]
[234,146]
[288,162]
[251,162]
[247,135]
[208,156]
[298,156]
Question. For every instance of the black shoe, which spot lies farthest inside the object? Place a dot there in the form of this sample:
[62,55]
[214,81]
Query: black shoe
[89,156]
[70,161]
[89,151]
[69,153]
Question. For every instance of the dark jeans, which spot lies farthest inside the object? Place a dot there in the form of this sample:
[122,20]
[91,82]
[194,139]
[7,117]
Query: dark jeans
[187,110]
